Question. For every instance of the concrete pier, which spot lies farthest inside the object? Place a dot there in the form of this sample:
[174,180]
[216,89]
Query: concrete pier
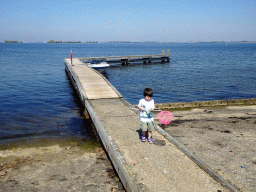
[162,166]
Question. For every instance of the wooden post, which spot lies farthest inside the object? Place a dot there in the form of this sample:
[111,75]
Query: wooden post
[123,62]
[86,114]
[71,57]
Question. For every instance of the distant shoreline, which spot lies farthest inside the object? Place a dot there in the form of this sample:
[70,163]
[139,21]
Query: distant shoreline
[12,41]
[96,42]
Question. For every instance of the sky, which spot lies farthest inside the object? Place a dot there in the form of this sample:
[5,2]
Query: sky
[133,20]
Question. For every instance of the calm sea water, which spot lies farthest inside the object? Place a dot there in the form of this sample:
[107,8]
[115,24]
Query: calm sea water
[37,99]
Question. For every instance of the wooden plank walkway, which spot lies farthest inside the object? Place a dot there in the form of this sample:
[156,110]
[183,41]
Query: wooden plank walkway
[93,85]
[161,166]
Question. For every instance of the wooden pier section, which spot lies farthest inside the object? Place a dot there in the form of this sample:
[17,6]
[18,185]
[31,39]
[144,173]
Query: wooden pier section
[126,60]
[162,166]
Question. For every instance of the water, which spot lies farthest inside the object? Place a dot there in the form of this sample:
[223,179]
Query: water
[37,99]
[196,72]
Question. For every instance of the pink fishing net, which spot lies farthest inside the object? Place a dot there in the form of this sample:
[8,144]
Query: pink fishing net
[165,117]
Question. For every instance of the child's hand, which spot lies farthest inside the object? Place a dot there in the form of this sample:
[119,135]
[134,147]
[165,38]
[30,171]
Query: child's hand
[142,109]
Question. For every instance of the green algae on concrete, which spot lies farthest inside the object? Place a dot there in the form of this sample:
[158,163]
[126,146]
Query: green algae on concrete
[199,104]
[83,144]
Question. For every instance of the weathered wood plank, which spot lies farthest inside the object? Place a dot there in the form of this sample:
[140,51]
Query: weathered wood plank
[93,83]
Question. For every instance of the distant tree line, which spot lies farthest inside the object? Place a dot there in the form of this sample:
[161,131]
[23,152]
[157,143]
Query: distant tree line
[12,41]
[52,41]
[91,42]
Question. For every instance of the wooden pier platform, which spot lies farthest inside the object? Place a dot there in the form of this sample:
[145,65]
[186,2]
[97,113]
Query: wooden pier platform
[91,85]
[125,60]
[162,166]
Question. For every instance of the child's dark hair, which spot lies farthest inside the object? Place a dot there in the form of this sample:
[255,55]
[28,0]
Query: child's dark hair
[148,92]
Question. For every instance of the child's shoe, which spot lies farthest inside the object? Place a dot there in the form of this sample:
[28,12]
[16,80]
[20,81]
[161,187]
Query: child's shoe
[150,140]
[143,138]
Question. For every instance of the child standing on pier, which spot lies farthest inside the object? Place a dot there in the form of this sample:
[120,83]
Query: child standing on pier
[146,106]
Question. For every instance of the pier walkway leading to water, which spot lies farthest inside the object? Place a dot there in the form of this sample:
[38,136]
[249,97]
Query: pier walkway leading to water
[141,166]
